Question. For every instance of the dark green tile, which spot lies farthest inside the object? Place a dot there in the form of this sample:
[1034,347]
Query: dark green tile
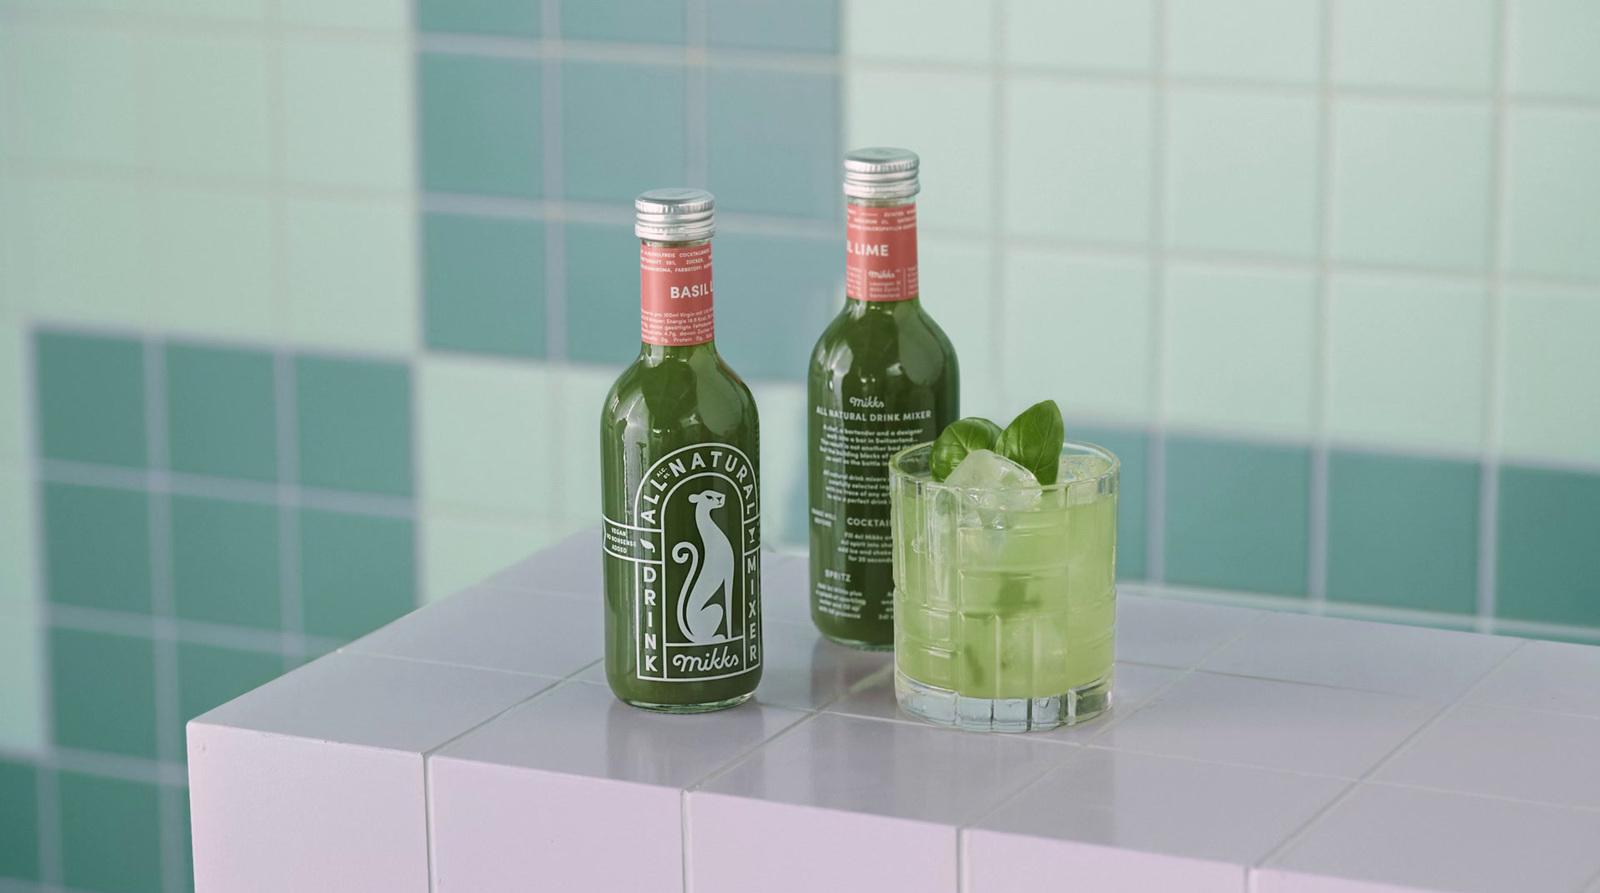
[221,413]
[602,293]
[507,18]
[358,572]
[806,26]
[484,284]
[353,420]
[1403,532]
[755,273]
[19,821]
[225,562]
[1548,565]
[774,143]
[97,547]
[605,106]
[110,834]
[103,692]
[480,126]
[209,677]
[631,21]
[91,399]
[1133,452]
[1237,515]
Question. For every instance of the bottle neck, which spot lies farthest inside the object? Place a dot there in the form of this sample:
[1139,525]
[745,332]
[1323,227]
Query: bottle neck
[881,251]
[676,318]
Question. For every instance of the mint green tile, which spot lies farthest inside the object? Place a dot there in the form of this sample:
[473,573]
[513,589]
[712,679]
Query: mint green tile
[19,821]
[763,122]
[1082,35]
[479,125]
[604,108]
[1403,532]
[945,31]
[110,834]
[1550,376]
[602,293]
[1415,44]
[23,689]
[377,15]
[483,284]
[347,113]
[103,692]
[806,26]
[351,274]
[209,677]
[487,438]
[81,96]
[1547,568]
[85,250]
[1553,201]
[221,412]
[1077,160]
[225,562]
[1276,41]
[460,551]
[631,21]
[97,547]
[357,572]
[207,106]
[1411,183]
[1237,515]
[1242,172]
[801,274]
[214,262]
[510,18]
[91,399]
[1132,449]
[1551,48]
[353,418]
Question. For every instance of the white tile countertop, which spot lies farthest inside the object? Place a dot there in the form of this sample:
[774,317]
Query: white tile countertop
[474,746]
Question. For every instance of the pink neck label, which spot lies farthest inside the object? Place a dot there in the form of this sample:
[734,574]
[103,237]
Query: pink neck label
[881,253]
[675,295]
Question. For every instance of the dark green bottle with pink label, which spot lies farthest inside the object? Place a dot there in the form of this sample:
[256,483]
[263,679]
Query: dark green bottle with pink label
[883,377]
[681,496]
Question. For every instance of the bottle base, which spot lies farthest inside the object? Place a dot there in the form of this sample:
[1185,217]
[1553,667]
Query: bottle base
[943,707]
[688,708]
[857,644]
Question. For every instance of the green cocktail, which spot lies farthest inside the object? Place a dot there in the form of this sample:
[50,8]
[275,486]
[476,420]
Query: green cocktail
[1005,590]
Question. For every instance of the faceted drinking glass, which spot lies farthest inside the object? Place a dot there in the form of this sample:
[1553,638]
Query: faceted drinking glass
[1005,597]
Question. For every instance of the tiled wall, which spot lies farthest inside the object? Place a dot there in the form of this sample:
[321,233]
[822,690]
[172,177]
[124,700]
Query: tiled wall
[307,308]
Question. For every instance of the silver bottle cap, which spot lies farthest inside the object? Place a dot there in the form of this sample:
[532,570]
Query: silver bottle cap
[881,172]
[674,215]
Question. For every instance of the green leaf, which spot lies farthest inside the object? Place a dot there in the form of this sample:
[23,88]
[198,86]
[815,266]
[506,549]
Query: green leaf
[960,438]
[1033,440]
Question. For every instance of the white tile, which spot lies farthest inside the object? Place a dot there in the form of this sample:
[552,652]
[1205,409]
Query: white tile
[802,670]
[1548,757]
[512,630]
[463,548]
[1269,880]
[351,273]
[1558,676]
[581,729]
[738,845]
[1099,35]
[1172,633]
[1442,841]
[571,566]
[1224,814]
[942,31]
[785,588]
[347,113]
[958,278]
[214,263]
[580,392]
[1271,724]
[993,862]
[485,441]
[1386,657]
[207,109]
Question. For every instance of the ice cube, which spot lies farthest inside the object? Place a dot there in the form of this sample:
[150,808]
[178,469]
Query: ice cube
[995,485]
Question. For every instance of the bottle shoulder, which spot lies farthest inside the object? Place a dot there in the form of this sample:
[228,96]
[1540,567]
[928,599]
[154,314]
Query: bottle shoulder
[910,343]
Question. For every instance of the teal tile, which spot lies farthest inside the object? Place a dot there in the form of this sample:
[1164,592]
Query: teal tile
[602,293]
[1553,201]
[1551,49]
[479,125]
[1415,44]
[357,572]
[225,562]
[19,821]
[509,18]
[353,418]
[755,273]
[809,26]
[97,547]
[1237,515]
[221,413]
[605,106]
[91,399]
[1547,568]
[774,142]
[1132,448]
[209,677]
[633,21]
[1403,532]
[483,284]
[110,834]
[1276,41]
[178,804]
[103,691]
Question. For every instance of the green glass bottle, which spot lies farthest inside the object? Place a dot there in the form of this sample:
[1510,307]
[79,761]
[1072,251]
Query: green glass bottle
[883,377]
[680,495]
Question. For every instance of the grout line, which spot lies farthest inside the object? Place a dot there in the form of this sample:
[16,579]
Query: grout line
[1156,449]
[697,96]
[182,484]
[1494,402]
